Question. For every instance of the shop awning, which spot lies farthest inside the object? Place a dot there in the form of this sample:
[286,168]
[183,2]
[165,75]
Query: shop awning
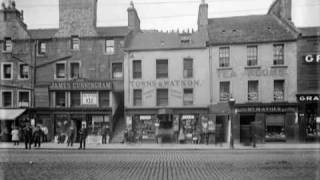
[10,114]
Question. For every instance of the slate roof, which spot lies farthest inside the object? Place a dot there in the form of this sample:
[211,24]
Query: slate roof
[102,31]
[248,29]
[154,40]
[310,31]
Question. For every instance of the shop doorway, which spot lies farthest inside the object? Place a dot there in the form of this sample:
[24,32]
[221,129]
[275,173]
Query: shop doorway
[166,128]
[221,128]
[245,128]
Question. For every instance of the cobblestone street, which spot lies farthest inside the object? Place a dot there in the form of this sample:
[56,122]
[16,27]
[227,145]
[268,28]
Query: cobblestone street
[159,164]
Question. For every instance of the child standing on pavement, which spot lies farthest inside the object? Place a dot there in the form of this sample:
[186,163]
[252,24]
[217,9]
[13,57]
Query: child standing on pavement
[15,136]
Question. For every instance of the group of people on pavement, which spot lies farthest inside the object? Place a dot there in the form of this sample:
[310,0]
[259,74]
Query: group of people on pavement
[33,135]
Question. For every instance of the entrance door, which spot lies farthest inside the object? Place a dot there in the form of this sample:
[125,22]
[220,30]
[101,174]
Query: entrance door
[221,128]
[166,128]
[245,128]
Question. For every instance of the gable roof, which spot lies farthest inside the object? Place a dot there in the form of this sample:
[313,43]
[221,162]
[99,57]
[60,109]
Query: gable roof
[42,33]
[248,29]
[310,31]
[154,40]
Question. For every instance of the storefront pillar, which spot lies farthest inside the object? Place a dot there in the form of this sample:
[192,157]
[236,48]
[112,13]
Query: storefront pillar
[236,128]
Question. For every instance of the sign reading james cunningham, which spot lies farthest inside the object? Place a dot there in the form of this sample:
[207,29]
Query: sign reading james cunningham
[85,85]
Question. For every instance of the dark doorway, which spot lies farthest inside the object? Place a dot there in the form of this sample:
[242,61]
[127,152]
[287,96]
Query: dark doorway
[245,128]
[221,124]
[166,128]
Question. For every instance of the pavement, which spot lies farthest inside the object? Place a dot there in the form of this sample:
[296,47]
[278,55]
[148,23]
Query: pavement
[315,146]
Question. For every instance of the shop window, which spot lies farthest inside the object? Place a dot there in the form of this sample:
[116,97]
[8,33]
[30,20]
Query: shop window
[7,71]
[278,93]
[187,68]
[60,71]
[75,42]
[23,71]
[60,99]
[275,127]
[224,91]
[136,65]
[312,121]
[23,99]
[224,57]
[252,55]
[162,97]
[278,54]
[109,46]
[104,99]
[187,96]
[162,68]
[117,71]
[74,70]
[75,98]
[7,45]
[137,97]
[253,91]
[42,48]
[7,99]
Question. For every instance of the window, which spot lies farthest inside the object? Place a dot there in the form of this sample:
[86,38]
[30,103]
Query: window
[185,39]
[75,42]
[23,71]
[60,71]
[278,93]
[253,91]
[187,96]
[224,57]
[278,54]
[104,98]
[187,68]
[75,98]
[224,91]
[7,99]
[7,46]
[162,68]
[136,65]
[42,48]
[74,70]
[7,71]
[60,99]
[109,47]
[117,71]
[137,97]
[252,55]
[23,98]
[162,97]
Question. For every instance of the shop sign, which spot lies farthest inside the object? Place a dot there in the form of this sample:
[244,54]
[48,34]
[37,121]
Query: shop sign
[269,72]
[262,109]
[308,98]
[165,83]
[145,118]
[89,99]
[187,117]
[81,85]
[311,59]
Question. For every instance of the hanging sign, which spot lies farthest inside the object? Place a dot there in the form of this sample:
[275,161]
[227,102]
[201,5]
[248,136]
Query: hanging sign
[89,99]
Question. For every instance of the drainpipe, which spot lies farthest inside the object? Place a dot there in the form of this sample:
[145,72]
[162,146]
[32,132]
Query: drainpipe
[210,75]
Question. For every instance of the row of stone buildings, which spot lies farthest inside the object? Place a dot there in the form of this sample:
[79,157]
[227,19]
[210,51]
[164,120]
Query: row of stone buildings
[163,84]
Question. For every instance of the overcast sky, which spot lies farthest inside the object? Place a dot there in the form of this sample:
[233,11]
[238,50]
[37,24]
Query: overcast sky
[166,14]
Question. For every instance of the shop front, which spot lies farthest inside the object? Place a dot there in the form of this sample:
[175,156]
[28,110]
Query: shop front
[265,122]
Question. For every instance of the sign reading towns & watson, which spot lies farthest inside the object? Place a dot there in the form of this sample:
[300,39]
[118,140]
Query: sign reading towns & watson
[81,85]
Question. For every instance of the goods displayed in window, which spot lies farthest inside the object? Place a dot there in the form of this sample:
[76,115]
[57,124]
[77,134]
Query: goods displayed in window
[275,129]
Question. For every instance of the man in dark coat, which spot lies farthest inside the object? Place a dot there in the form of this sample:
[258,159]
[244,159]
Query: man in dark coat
[70,136]
[83,136]
[37,134]
[27,133]
[104,133]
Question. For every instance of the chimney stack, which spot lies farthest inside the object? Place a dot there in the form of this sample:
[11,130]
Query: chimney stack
[281,9]
[203,15]
[133,19]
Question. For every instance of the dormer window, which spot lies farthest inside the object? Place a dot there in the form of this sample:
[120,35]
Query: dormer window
[185,39]
[75,42]
[7,46]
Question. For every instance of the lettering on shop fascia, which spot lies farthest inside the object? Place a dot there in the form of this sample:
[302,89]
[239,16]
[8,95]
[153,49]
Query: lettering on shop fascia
[262,109]
[70,85]
[165,83]
[254,73]
[312,59]
[309,98]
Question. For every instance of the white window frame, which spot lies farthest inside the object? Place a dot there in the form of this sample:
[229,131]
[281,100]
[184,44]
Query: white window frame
[39,48]
[106,46]
[4,49]
[19,75]
[65,70]
[18,98]
[72,42]
[3,91]
[69,64]
[2,70]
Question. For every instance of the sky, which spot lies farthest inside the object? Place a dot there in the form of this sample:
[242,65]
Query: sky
[166,14]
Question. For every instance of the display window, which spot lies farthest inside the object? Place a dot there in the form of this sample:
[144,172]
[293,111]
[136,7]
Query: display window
[95,124]
[188,123]
[146,126]
[61,128]
[275,129]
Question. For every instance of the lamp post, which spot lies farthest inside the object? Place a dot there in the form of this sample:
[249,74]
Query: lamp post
[231,102]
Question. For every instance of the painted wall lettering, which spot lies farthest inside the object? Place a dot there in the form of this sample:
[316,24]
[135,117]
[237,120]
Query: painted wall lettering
[308,98]
[165,83]
[312,59]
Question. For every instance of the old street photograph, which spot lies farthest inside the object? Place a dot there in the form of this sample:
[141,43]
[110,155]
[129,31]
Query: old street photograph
[160,89]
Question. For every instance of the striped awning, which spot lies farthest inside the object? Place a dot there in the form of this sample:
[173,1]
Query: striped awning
[10,114]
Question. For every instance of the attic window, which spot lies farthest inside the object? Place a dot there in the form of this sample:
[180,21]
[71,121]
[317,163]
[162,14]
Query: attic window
[185,39]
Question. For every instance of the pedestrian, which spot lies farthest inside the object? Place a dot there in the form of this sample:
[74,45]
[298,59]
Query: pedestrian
[27,133]
[15,136]
[45,133]
[83,136]
[70,136]
[104,133]
[125,139]
[37,134]
[181,136]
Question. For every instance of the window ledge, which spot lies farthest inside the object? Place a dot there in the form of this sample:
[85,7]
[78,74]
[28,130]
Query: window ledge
[279,66]
[224,68]
[252,67]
